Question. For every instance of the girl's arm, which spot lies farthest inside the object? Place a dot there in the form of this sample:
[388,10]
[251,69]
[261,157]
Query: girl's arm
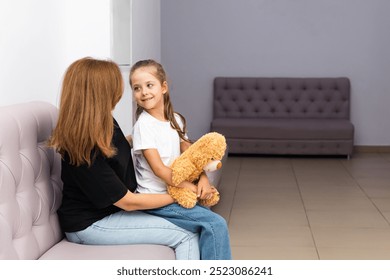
[159,169]
[129,139]
[162,171]
[204,189]
[184,145]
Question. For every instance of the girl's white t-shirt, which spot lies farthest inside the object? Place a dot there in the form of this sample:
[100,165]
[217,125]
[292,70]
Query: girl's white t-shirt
[151,133]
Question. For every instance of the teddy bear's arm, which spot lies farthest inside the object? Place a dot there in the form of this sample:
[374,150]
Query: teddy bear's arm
[182,169]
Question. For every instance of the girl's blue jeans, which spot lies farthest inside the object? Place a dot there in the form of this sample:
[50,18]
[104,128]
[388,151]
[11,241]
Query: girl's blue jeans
[213,231]
[137,227]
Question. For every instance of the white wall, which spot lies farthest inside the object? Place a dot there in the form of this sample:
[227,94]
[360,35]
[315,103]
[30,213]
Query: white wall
[31,51]
[40,39]
[145,42]
[205,39]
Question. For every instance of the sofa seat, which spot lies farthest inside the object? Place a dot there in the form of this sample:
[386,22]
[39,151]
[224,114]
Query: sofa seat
[65,250]
[283,128]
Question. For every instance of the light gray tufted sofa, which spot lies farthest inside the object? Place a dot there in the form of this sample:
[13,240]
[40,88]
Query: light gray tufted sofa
[30,193]
[301,116]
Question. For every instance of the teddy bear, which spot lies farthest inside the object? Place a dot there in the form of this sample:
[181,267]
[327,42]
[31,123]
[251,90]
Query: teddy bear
[203,155]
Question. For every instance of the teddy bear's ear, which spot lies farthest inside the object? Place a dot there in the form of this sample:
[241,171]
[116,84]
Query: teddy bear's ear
[182,170]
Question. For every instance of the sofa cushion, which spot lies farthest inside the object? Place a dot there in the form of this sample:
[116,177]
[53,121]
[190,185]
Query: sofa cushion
[283,128]
[66,250]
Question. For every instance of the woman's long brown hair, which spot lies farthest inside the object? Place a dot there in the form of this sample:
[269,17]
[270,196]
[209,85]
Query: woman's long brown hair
[91,88]
[169,113]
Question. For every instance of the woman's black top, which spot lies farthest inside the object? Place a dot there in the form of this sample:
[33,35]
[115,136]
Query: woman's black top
[90,191]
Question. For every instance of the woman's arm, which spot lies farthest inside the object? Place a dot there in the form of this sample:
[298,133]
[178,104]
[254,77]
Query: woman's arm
[140,201]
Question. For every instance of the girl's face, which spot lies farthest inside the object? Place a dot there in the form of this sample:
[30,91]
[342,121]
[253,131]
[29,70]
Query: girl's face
[148,91]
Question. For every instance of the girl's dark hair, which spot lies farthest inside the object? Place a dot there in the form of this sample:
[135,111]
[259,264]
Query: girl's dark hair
[169,113]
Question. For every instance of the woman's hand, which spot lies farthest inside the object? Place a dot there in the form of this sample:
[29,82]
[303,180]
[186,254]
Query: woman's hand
[188,185]
[205,190]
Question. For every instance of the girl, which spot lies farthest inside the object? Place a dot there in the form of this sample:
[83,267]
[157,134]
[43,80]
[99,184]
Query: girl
[159,136]
[99,204]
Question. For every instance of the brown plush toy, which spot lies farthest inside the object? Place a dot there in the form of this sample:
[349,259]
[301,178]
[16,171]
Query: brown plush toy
[203,155]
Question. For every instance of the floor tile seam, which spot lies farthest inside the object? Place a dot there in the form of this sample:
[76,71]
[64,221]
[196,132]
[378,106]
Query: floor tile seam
[364,191]
[235,191]
[304,207]
[317,228]
[275,246]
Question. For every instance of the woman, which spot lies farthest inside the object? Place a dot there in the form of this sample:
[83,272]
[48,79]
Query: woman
[99,205]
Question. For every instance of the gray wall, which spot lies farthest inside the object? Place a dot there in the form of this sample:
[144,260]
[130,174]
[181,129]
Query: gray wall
[303,38]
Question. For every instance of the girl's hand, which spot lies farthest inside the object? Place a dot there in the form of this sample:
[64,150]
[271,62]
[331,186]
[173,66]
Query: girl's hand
[205,190]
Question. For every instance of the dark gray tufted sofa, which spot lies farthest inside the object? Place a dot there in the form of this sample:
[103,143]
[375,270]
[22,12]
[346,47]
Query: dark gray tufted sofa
[298,116]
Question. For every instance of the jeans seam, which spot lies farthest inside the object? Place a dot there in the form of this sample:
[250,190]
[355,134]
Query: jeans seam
[196,220]
[179,229]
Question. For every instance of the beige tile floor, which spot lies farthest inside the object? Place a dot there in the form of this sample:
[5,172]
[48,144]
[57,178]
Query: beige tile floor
[307,207]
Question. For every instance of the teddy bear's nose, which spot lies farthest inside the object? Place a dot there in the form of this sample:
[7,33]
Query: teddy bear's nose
[213,165]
